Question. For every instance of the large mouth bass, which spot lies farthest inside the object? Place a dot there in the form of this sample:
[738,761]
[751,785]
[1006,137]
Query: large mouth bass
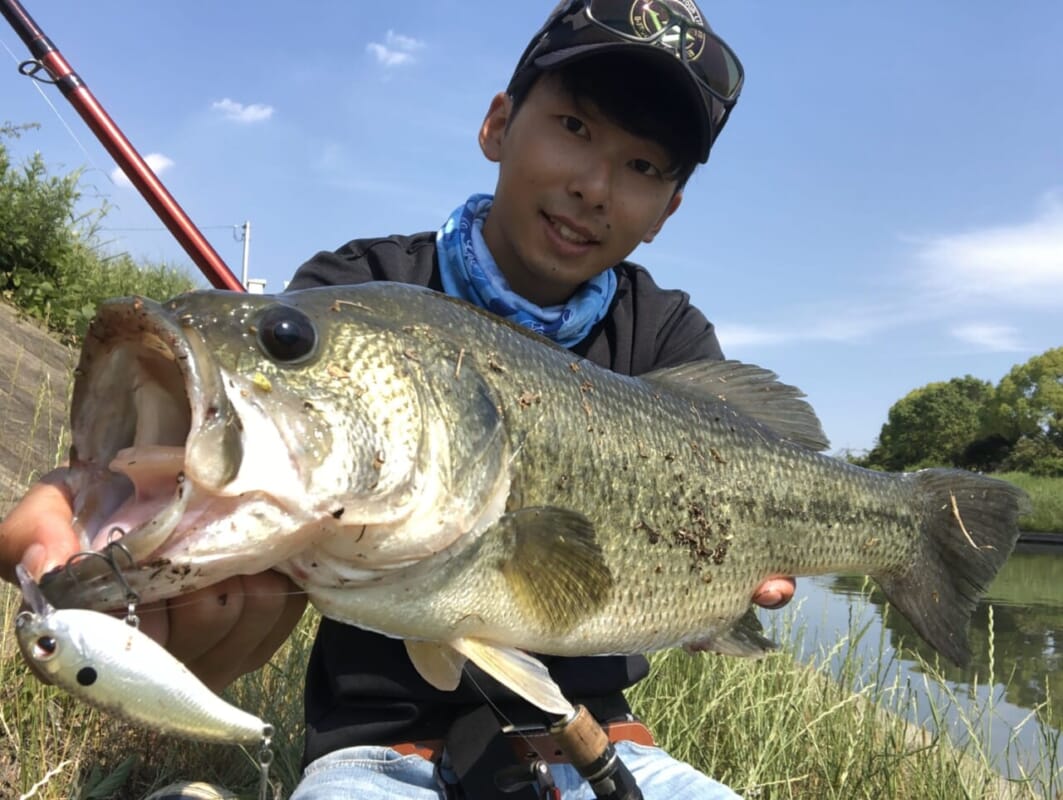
[426,471]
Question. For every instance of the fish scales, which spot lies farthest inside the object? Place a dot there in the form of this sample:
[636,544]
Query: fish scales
[428,471]
[665,534]
[670,496]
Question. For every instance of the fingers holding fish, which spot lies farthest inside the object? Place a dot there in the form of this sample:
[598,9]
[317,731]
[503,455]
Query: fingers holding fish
[271,607]
[262,647]
[775,592]
[223,631]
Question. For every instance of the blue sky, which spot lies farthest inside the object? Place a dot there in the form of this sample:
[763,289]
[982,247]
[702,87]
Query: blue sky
[885,208]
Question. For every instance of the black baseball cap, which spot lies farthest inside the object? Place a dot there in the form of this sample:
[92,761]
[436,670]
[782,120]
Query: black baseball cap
[670,34]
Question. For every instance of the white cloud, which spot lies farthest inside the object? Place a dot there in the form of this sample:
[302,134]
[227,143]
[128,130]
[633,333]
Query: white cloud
[238,112]
[1018,265]
[739,335]
[396,50]
[816,324]
[990,290]
[157,161]
[987,337]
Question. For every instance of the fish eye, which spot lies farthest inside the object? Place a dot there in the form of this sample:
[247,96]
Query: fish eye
[286,334]
[44,648]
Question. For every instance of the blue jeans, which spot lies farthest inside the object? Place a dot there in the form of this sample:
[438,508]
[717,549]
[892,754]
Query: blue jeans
[379,773]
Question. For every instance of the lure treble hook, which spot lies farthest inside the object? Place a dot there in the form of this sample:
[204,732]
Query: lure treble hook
[108,556]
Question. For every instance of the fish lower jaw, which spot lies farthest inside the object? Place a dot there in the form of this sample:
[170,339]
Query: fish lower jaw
[362,556]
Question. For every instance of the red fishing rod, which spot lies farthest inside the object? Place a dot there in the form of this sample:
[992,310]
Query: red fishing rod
[47,58]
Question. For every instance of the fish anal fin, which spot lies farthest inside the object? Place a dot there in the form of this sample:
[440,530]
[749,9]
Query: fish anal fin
[554,566]
[518,671]
[745,639]
[439,664]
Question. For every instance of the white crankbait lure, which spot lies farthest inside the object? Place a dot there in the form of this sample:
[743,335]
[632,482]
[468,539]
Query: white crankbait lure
[115,667]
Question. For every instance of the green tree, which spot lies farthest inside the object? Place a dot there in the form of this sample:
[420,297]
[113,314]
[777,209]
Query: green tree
[933,426]
[1029,399]
[1027,410]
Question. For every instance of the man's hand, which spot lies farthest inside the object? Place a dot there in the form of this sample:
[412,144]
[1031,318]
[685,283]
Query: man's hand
[219,632]
[223,631]
[37,531]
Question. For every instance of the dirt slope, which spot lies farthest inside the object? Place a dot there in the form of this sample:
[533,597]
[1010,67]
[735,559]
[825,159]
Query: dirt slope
[35,379]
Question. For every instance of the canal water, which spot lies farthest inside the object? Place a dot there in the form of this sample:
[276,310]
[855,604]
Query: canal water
[1009,699]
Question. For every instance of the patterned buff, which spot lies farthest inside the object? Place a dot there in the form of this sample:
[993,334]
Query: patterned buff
[469,272]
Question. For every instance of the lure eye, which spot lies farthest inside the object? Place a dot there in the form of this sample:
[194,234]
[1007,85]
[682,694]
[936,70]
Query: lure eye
[286,334]
[86,676]
[44,648]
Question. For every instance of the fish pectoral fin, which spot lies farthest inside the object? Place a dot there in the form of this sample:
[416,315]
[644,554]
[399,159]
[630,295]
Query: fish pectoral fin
[518,671]
[553,565]
[439,664]
[750,390]
[745,639]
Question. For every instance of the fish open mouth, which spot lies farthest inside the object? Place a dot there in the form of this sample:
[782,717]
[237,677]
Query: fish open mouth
[145,399]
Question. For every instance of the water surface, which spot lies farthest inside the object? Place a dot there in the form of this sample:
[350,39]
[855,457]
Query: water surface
[1015,677]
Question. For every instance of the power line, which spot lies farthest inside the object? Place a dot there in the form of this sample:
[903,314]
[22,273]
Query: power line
[167,230]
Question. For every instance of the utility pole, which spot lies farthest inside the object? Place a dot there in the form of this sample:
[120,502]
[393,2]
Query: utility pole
[247,249]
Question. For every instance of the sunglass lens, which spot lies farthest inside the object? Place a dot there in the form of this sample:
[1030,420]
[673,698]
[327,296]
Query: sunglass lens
[718,67]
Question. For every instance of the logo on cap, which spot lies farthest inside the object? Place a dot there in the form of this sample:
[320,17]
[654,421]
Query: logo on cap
[650,17]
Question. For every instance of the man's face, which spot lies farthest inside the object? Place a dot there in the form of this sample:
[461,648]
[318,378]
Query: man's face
[575,195]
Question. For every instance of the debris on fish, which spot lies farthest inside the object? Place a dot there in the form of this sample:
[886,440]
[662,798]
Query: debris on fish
[116,668]
[425,470]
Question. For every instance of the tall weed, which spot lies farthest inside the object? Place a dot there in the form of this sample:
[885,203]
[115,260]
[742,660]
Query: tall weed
[52,264]
[1047,496]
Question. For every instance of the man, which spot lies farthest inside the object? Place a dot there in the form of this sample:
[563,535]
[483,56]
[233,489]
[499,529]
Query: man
[610,109]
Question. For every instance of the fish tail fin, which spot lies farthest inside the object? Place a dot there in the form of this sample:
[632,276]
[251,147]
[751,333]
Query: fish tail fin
[970,525]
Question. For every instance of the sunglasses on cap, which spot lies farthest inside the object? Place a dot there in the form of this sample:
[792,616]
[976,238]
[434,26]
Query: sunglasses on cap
[577,28]
[676,26]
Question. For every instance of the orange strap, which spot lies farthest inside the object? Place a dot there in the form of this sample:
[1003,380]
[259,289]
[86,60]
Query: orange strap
[529,746]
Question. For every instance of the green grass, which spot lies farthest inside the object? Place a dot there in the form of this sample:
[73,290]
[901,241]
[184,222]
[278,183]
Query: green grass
[774,728]
[778,728]
[1047,497]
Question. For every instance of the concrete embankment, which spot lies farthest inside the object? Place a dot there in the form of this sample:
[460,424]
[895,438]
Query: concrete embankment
[35,378]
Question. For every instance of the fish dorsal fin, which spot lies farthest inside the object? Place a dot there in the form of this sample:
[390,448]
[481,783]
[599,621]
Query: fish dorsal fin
[439,664]
[751,390]
[517,671]
[553,565]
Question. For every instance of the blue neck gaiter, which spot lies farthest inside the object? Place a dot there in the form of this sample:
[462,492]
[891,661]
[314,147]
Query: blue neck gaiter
[469,272]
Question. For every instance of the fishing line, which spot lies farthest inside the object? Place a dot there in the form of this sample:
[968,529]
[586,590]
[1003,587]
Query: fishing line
[63,122]
[161,229]
[175,602]
[516,729]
